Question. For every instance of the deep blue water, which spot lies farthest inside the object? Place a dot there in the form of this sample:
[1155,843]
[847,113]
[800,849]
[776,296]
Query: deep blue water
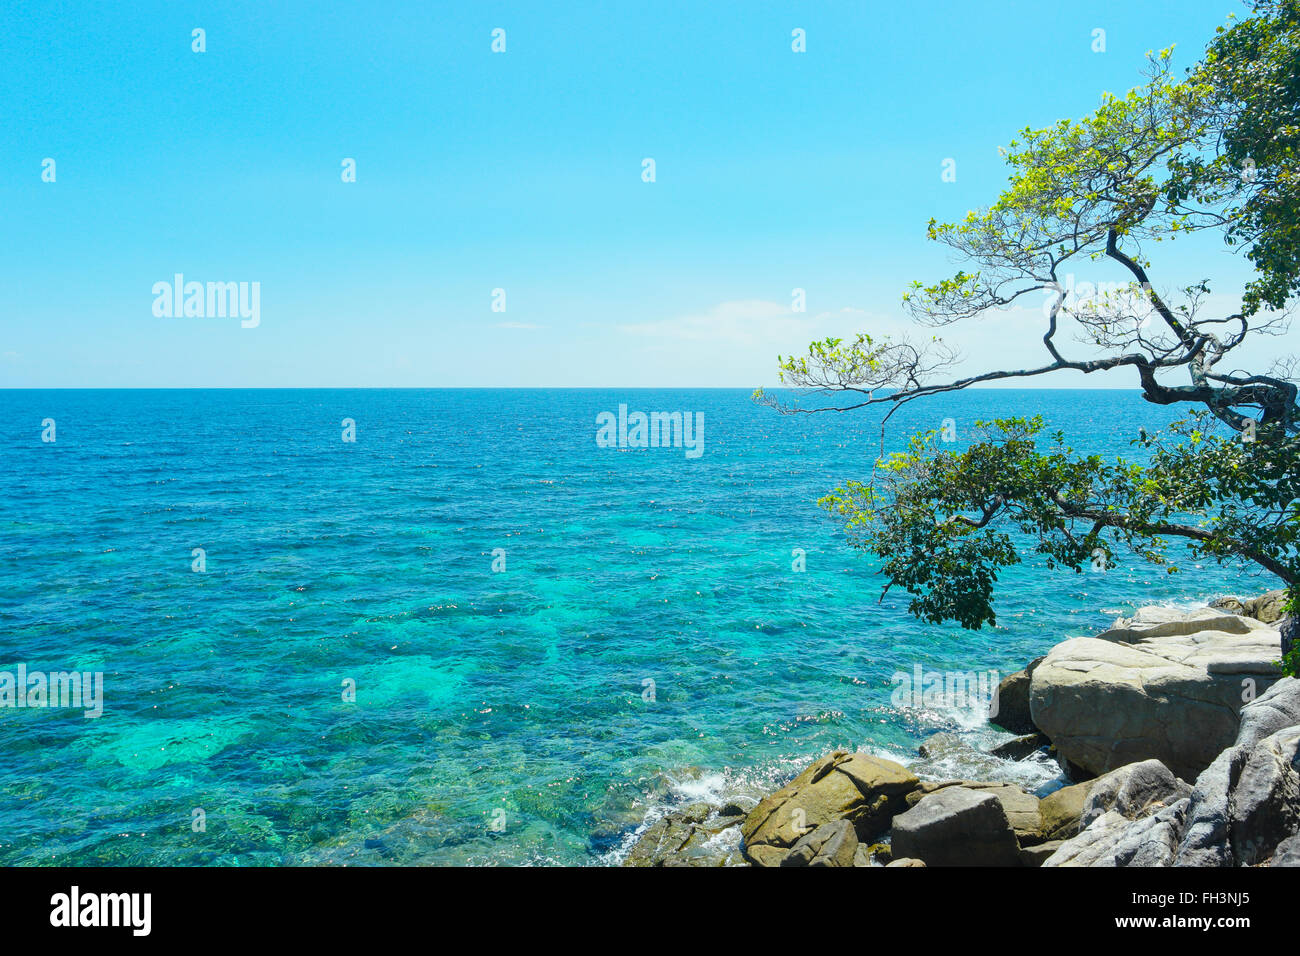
[476,691]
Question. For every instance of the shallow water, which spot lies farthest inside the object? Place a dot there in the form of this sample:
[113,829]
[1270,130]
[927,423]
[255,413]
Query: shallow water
[499,716]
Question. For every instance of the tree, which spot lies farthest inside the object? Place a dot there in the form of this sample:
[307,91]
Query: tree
[1167,159]
[1253,72]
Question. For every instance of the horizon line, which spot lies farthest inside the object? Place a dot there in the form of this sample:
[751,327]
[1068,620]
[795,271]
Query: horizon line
[521,388]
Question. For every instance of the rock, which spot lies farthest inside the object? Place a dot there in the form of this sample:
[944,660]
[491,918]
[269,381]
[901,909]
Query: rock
[1276,709]
[862,856]
[1020,807]
[831,844]
[880,852]
[1009,708]
[1072,771]
[738,807]
[1134,791]
[1243,810]
[1090,844]
[1269,608]
[1061,811]
[1287,629]
[1018,748]
[956,826]
[867,791]
[687,838]
[1124,821]
[1164,684]
[933,786]
[905,861]
[1229,604]
[1022,812]
[1035,855]
[763,854]
[1153,840]
[943,745]
[1265,802]
[1224,828]
[1287,852]
[1114,840]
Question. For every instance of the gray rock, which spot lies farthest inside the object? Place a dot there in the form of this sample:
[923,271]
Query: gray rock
[1092,844]
[1214,834]
[1128,819]
[1153,840]
[956,826]
[1275,709]
[1243,810]
[1287,852]
[1134,791]
[1112,839]
[1163,684]
[1265,803]
[905,862]
[831,844]
[1035,855]
[1021,808]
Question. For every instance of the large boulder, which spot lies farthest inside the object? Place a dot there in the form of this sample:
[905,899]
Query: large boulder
[864,790]
[1244,798]
[1164,684]
[956,826]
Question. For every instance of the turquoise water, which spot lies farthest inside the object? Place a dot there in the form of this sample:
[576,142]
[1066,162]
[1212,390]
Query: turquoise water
[499,716]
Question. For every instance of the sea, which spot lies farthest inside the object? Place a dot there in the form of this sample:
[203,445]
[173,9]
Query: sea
[461,626]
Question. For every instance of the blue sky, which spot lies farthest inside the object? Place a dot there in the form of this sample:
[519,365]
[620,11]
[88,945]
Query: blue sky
[521,171]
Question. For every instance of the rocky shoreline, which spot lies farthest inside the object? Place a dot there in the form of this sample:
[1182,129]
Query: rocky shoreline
[1177,732]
